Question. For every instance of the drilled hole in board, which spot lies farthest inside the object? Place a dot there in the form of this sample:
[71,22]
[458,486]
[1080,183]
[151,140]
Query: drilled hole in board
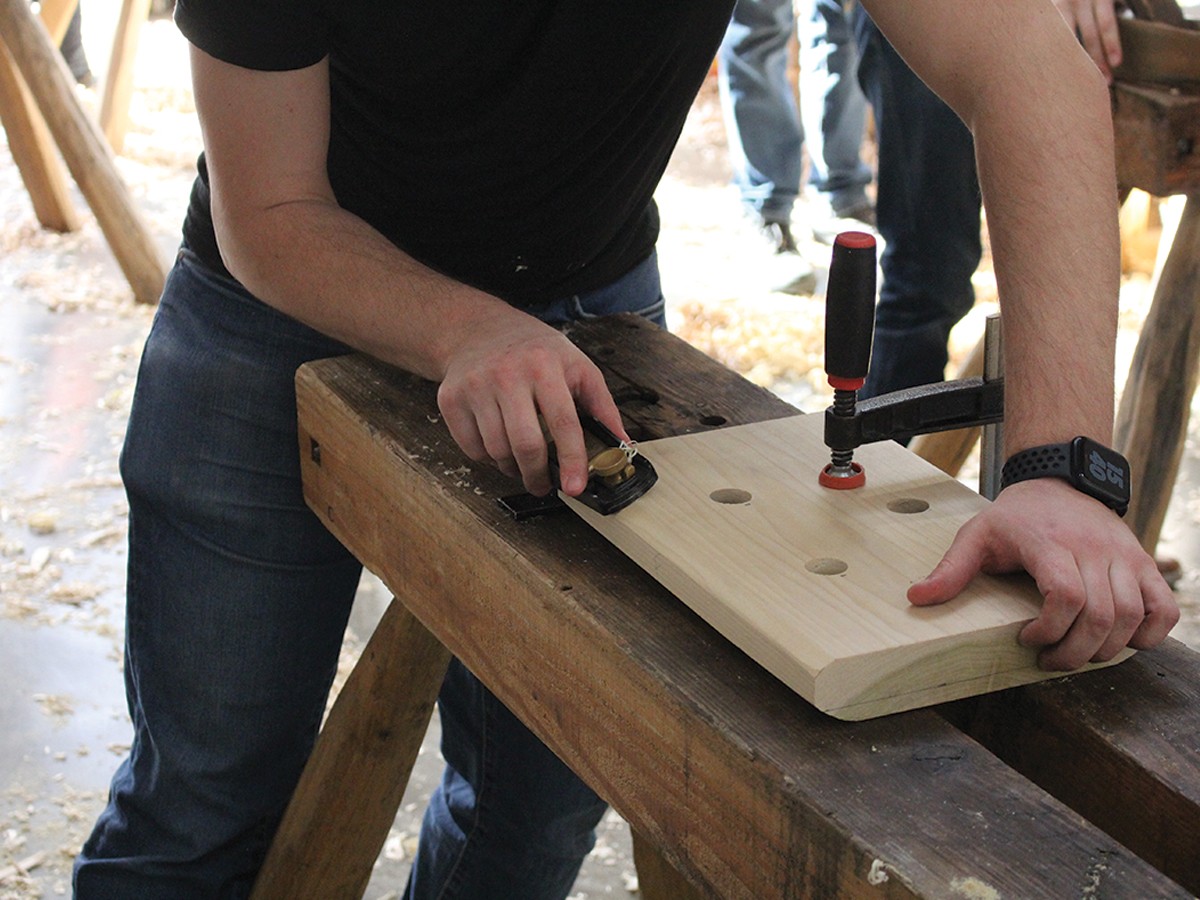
[907,505]
[826,565]
[732,496]
[713,421]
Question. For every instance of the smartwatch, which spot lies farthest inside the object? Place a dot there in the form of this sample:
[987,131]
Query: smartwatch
[1086,465]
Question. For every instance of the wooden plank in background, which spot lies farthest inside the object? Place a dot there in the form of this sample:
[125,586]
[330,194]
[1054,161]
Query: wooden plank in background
[33,150]
[84,149]
[1157,133]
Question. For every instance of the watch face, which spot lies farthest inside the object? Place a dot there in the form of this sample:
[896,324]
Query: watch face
[1102,472]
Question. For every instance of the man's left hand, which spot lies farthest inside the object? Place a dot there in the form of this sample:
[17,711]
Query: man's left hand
[1102,591]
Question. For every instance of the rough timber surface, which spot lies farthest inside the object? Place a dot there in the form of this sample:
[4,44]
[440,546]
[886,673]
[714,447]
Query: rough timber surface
[811,582]
[744,787]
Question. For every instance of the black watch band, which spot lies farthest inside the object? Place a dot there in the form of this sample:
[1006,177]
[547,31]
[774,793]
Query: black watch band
[1086,465]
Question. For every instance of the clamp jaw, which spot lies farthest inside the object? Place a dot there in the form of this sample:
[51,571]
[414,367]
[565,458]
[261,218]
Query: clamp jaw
[849,329]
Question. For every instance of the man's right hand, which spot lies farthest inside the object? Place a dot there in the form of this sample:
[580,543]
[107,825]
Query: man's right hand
[501,373]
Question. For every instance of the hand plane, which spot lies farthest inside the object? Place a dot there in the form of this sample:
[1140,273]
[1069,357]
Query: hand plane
[617,475]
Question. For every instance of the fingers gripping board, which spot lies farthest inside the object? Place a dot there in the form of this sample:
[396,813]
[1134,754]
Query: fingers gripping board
[811,582]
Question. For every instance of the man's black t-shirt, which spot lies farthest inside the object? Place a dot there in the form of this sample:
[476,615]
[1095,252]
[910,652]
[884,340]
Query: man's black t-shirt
[514,146]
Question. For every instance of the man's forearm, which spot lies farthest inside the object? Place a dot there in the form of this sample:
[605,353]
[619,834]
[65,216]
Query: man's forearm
[1050,193]
[326,267]
[1039,112]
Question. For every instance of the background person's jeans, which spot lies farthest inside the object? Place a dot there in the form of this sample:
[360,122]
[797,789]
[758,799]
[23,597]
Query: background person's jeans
[832,106]
[927,212]
[763,123]
[237,600]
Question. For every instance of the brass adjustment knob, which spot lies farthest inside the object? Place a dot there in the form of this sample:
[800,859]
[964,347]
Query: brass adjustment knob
[612,465]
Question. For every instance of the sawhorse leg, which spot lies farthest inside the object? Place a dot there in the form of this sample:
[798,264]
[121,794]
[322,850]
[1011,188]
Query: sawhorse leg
[347,798]
[1152,420]
[29,141]
[118,82]
[84,149]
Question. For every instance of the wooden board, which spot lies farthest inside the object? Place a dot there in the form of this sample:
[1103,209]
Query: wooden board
[811,582]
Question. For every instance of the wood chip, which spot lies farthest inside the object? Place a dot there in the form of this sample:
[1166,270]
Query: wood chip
[22,868]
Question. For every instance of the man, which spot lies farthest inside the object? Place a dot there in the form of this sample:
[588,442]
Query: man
[429,188]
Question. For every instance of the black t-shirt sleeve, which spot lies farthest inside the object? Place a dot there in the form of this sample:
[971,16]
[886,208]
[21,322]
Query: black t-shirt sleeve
[272,35]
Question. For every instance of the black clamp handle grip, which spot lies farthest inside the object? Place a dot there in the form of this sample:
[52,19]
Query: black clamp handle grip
[850,310]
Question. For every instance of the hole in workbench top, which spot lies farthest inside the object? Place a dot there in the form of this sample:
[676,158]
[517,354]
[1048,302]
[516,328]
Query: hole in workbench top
[713,421]
[633,393]
[826,565]
[731,496]
[907,505]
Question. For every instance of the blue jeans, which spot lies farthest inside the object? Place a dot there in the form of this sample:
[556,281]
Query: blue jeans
[237,599]
[763,123]
[832,106]
[927,211]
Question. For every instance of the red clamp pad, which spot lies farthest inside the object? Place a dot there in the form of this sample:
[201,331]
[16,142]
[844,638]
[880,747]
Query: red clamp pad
[843,482]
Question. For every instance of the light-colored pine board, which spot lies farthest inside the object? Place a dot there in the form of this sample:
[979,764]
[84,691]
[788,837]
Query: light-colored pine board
[849,642]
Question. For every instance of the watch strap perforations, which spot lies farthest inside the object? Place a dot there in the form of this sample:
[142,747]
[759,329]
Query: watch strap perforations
[1047,461]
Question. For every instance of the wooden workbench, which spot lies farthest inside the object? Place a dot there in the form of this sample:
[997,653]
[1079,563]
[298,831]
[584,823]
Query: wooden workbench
[740,784]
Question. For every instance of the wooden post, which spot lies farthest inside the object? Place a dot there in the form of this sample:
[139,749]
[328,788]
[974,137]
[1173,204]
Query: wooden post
[83,148]
[33,150]
[335,826]
[1153,414]
[118,82]
[56,16]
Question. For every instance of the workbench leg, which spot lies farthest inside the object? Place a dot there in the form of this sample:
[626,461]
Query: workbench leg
[346,801]
[657,878]
[1152,419]
[33,151]
[83,148]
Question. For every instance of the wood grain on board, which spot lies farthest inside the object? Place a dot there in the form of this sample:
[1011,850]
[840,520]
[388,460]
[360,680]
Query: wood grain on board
[811,582]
